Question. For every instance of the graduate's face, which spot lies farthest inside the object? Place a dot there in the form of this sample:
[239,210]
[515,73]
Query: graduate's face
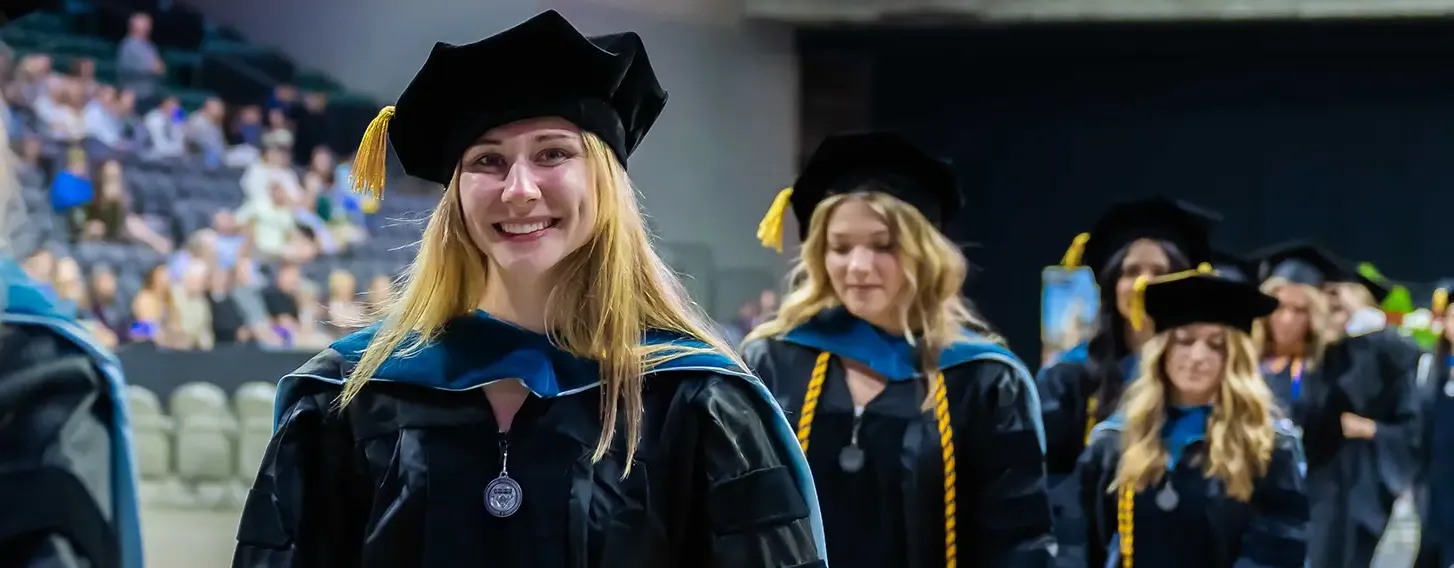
[1341,304]
[1195,361]
[1144,257]
[526,194]
[1290,322]
[862,263]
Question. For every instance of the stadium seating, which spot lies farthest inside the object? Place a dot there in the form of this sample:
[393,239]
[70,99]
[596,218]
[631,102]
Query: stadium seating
[203,449]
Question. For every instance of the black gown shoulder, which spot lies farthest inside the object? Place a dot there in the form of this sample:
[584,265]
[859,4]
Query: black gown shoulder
[397,479]
[1206,529]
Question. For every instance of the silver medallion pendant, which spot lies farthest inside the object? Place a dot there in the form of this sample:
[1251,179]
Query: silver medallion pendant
[503,496]
[1167,499]
[850,459]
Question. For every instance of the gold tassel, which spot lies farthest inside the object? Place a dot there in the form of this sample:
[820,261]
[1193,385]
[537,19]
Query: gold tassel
[770,230]
[1076,250]
[1138,290]
[367,175]
[1441,302]
[1138,303]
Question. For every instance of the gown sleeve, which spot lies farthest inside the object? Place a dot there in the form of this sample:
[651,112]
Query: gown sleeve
[1062,409]
[1010,521]
[1396,438]
[756,515]
[1276,533]
[300,513]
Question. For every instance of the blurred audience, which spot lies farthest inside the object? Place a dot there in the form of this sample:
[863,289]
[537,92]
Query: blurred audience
[164,262]
[164,131]
[109,217]
[192,309]
[203,130]
[106,307]
[139,64]
[344,311]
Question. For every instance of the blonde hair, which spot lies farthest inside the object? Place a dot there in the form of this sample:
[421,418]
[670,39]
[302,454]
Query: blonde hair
[607,294]
[935,314]
[1240,433]
[1321,331]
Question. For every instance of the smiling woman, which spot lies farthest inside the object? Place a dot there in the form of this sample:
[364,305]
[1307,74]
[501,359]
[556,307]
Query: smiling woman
[523,188]
[894,376]
[540,392]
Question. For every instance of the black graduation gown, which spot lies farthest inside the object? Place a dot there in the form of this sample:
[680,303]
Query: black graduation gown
[398,478]
[892,512]
[1068,406]
[1206,529]
[67,484]
[1434,489]
[1353,483]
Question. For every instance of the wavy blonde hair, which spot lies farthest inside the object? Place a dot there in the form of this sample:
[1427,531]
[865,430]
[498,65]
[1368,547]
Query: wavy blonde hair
[935,315]
[1240,435]
[606,295]
[1321,332]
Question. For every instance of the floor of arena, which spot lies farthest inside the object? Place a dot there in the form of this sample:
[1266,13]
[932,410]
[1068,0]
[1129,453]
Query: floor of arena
[190,539]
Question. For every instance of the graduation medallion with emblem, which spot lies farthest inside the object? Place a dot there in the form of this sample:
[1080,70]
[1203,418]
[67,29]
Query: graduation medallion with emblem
[503,495]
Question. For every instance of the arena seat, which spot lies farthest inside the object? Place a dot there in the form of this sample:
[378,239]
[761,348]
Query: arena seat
[254,404]
[254,399]
[152,432]
[206,454]
[152,436]
[196,398]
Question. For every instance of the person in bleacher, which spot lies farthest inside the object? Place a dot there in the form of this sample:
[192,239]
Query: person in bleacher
[67,485]
[921,427]
[540,393]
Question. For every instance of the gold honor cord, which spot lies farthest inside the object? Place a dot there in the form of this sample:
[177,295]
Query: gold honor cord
[810,400]
[1092,404]
[1126,524]
[946,447]
[946,444]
